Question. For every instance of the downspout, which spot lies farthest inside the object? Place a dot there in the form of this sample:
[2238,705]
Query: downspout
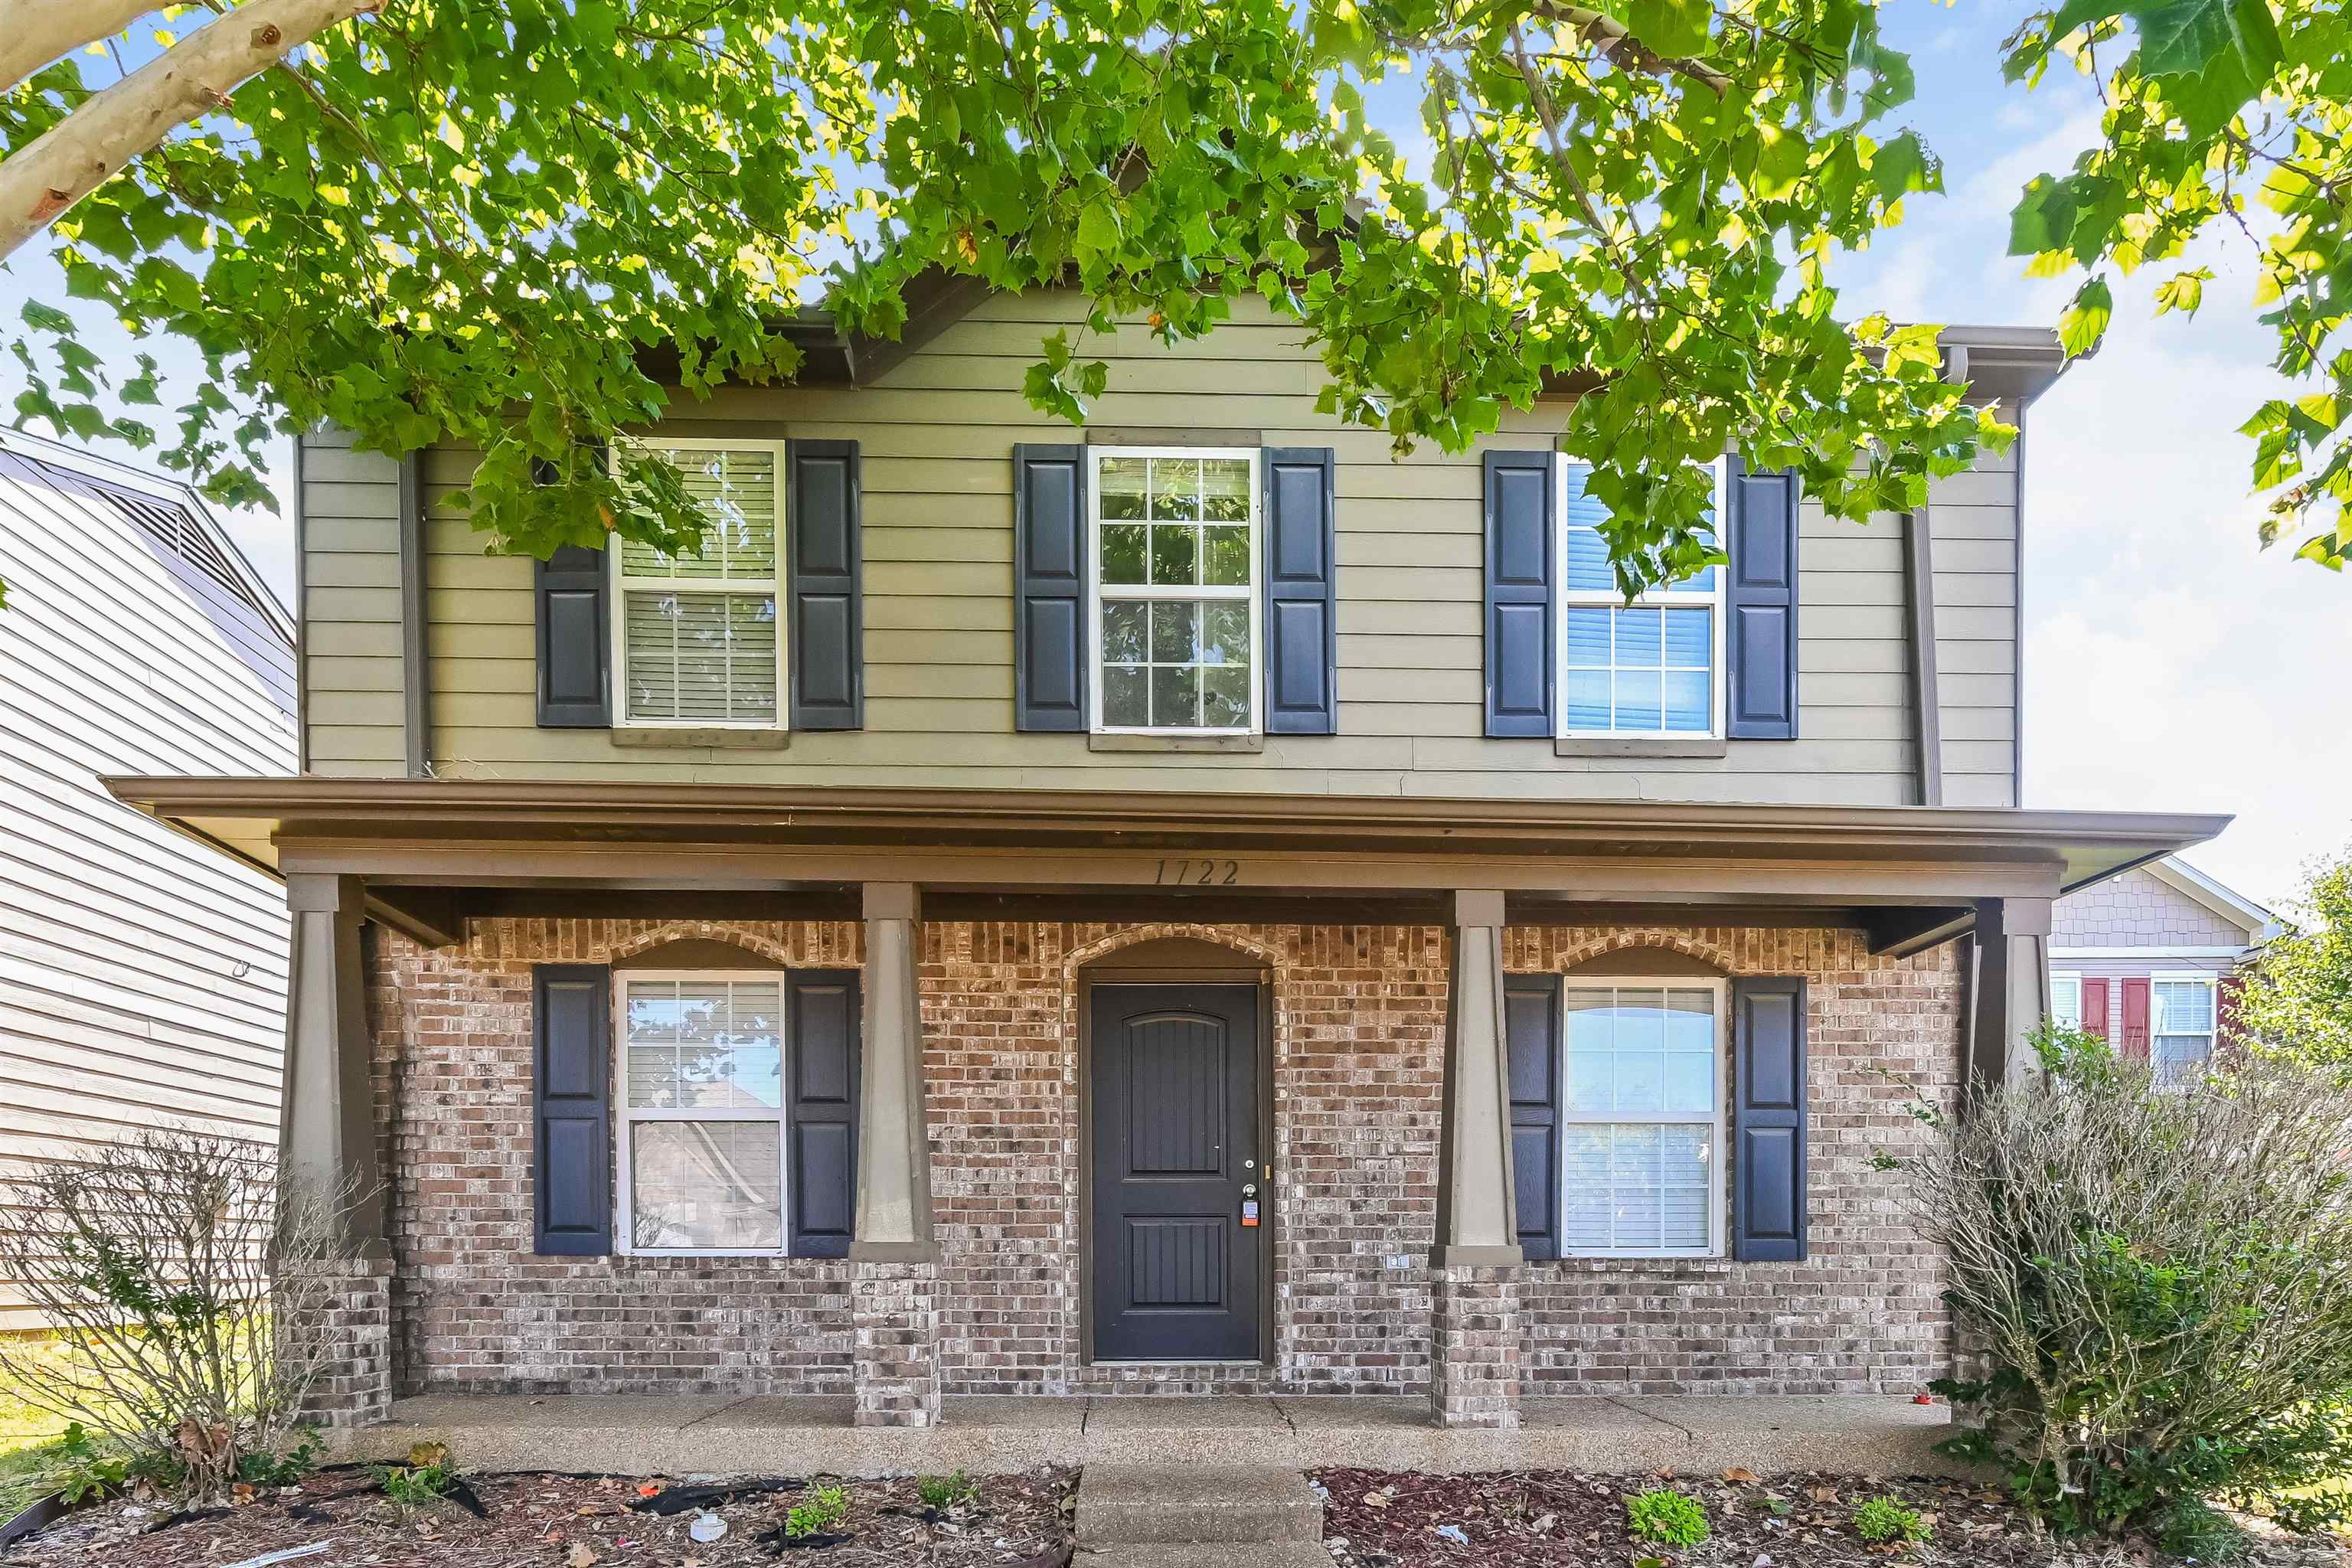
[301,610]
[415,680]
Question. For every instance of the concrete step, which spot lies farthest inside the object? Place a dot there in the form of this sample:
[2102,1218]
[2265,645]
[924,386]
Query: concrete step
[1206,1554]
[1129,1505]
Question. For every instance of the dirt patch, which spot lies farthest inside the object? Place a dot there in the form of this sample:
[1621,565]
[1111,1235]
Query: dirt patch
[561,1521]
[1523,1519]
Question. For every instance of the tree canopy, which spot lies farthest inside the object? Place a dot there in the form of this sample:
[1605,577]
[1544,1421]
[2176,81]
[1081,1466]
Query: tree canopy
[468,221]
[2297,996]
[432,220]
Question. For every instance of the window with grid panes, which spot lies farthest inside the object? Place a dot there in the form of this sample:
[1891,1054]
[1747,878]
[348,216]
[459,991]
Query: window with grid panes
[698,639]
[1176,565]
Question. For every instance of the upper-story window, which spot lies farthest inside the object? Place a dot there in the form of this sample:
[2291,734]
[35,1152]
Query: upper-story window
[1651,668]
[697,641]
[2183,1027]
[1176,628]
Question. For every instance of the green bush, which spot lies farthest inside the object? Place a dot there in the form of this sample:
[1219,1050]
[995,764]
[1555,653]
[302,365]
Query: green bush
[1667,1518]
[412,1486]
[944,1491]
[826,1507]
[2159,1282]
[1884,1519]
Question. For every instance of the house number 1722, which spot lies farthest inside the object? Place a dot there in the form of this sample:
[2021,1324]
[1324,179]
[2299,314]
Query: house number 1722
[1199,873]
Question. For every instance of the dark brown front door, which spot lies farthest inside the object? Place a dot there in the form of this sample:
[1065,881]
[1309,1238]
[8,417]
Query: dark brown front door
[1177,1274]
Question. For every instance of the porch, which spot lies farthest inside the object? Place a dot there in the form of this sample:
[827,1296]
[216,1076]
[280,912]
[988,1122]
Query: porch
[680,1435]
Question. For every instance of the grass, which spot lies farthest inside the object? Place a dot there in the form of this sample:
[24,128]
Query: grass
[27,1439]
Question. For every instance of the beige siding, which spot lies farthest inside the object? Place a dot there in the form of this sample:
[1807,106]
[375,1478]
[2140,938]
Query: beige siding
[1973,519]
[936,437]
[143,976]
[351,607]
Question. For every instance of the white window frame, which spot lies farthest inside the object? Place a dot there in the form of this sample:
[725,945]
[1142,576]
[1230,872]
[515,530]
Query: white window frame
[1097,591]
[1719,1188]
[2213,1036]
[1610,598]
[625,1118]
[2063,979]
[623,582]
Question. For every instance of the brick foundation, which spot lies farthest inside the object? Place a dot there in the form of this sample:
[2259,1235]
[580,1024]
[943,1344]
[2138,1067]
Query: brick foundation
[1358,1040]
[354,1386]
[1477,1341]
[896,1306]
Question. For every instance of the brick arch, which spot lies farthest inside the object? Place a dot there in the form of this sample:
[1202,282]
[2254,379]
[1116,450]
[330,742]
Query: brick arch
[666,931]
[1264,952]
[1689,944]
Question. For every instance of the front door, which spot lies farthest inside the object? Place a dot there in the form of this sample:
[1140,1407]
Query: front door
[1177,1273]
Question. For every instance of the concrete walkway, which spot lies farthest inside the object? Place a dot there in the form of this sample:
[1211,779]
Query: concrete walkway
[683,1435]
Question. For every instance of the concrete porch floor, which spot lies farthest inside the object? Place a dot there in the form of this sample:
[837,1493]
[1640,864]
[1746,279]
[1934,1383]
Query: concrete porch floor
[788,1435]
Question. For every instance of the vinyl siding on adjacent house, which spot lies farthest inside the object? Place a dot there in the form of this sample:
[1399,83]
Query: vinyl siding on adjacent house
[121,1002]
[937,435]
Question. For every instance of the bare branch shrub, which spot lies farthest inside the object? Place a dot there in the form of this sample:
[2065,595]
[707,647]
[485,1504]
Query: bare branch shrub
[194,1291]
[2159,1282]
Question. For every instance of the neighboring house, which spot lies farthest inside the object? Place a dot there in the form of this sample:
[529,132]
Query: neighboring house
[143,976]
[2150,959]
[1187,905]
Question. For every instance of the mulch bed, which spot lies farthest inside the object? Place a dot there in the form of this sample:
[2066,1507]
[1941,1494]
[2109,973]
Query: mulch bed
[1520,1519]
[564,1521]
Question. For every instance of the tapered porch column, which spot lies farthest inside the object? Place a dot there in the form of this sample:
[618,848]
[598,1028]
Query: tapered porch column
[2008,988]
[1474,1330]
[326,1140]
[894,1254]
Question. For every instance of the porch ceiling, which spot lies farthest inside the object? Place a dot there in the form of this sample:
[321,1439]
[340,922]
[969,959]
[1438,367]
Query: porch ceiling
[1013,844]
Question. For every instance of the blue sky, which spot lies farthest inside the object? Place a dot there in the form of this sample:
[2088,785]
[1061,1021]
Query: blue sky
[2170,663]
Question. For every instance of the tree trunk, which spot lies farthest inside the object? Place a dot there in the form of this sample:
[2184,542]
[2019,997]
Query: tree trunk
[46,30]
[43,179]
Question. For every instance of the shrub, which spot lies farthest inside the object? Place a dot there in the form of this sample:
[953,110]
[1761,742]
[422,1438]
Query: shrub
[412,1486]
[2158,1282]
[824,1508]
[1667,1518]
[193,1293]
[1884,1519]
[944,1491]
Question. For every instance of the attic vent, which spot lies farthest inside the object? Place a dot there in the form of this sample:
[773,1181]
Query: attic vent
[176,531]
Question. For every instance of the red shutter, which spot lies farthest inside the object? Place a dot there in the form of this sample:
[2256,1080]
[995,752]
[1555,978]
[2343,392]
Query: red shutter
[2094,1008]
[2135,1019]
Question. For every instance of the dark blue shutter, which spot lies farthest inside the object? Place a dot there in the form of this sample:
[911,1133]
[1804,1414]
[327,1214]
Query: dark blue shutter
[1761,603]
[821,1042]
[1302,643]
[574,639]
[571,1110]
[1520,589]
[1531,1026]
[1049,588]
[1768,1124]
[825,616]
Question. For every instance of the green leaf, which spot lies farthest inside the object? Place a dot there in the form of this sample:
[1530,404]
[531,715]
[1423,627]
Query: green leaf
[1675,28]
[2084,321]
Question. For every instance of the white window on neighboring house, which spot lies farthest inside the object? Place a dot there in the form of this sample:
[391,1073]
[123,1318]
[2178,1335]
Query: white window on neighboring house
[1175,629]
[1641,1123]
[701,1112]
[2066,1000]
[2182,1032]
[1651,668]
[698,640]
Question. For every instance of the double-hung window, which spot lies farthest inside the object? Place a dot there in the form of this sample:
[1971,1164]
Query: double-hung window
[2066,1000]
[1652,667]
[702,1113]
[2182,1032]
[698,639]
[1641,1123]
[1176,620]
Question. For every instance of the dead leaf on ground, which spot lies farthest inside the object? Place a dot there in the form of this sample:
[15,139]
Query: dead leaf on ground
[423,1456]
[580,1555]
[1738,1477]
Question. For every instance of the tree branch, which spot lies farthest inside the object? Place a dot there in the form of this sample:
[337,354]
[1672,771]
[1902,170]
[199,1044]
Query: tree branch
[44,180]
[46,30]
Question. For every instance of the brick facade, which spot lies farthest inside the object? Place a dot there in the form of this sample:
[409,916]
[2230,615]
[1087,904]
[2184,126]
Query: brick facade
[1359,1028]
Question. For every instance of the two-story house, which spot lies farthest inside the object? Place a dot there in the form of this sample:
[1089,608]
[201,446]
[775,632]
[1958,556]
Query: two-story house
[1191,904]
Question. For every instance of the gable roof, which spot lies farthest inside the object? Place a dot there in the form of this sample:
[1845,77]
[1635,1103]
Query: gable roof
[2259,922]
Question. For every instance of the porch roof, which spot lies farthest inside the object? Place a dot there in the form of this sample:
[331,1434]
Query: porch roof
[628,835]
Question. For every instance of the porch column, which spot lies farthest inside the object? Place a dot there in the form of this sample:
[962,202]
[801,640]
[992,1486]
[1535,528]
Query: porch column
[1474,1328]
[327,1148]
[894,1256]
[2009,989]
